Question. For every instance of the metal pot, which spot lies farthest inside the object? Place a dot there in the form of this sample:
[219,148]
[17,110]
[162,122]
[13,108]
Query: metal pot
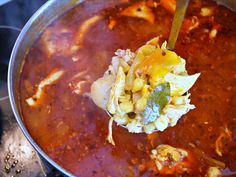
[36,24]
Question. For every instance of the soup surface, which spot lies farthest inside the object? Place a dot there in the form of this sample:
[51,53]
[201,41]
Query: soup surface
[72,130]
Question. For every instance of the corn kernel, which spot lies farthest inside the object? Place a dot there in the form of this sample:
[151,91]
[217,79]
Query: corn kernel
[145,91]
[124,98]
[149,128]
[121,119]
[134,126]
[141,104]
[156,82]
[126,107]
[138,84]
[124,65]
[178,100]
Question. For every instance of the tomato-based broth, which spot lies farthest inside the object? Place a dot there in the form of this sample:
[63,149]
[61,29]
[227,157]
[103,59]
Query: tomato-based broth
[78,47]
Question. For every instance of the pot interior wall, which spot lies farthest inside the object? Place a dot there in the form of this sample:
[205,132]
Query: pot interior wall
[37,23]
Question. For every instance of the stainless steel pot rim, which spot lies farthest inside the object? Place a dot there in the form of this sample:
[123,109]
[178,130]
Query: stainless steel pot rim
[10,80]
[11,94]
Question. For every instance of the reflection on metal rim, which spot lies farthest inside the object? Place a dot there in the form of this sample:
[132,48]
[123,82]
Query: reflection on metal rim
[4,2]
[231,4]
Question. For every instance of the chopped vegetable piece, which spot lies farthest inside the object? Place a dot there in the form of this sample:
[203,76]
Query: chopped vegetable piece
[100,90]
[142,53]
[158,99]
[159,63]
[206,11]
[213,33]
[116,91]
[180,84]
[213,172]
[171,160]
[139,10]
[138,84]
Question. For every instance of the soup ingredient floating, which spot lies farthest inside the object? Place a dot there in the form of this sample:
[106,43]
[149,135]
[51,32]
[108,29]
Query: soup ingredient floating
[145,91]
[36,99]
[171,160]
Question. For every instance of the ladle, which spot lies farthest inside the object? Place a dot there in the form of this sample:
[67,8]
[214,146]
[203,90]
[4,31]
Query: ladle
[181,6]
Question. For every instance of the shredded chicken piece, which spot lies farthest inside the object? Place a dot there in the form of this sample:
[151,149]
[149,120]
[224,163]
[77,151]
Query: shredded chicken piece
[51,78]
[226,135]
[190,24]
[116,91]
[85,26]
[48,45]
[100,89]
[80,74]
[213,172]
[79,82]
[109,136]
[171,160]
[54,43]
[208,159]
[78,87]
[139,10]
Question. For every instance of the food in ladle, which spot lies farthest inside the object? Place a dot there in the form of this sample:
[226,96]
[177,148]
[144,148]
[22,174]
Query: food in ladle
[145,91]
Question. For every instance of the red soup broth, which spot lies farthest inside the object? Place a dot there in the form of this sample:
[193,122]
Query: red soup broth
[72,130]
